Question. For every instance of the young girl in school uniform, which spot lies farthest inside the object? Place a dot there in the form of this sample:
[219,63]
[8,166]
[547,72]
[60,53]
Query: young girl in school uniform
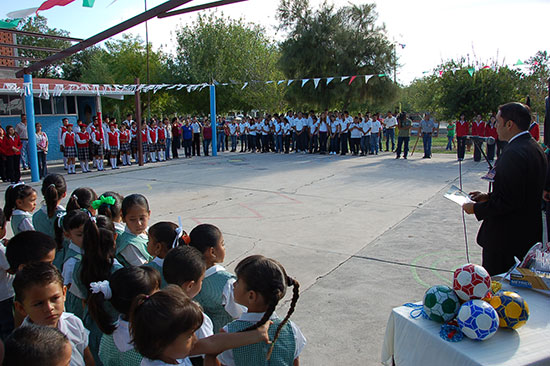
[125,140]
[20,202]
[110,204]
[161,142]
[216,296]
[109,305]
[153,141]
[54,189]
[97,264]
[81,199]
[131,245]
[261,284]
[163,236]
[163,329]
[146,142]
[69,149]
[83,147]
[99,144]
[72,228]
[114,144]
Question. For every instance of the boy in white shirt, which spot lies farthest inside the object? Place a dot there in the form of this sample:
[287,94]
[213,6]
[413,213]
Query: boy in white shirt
[375,132]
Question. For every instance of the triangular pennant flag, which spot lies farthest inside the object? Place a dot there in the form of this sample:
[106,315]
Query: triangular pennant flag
[88,3]
[215,82]
[440,72]
[486,67]
[280,82]
[10,24]
[245,85]
[23,13]
[289,82]
[48,4]
[344,78]
[519,62]
[351,80]
[471,71]
[44,91]
[329,80]
[304,81]
[316,82]
[367,78]
[381,75]
[269,82]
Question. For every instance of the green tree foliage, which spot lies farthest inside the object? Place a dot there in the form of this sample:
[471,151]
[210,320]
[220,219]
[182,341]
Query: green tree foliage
[330,41]
[539,72]
[226,50]
[39,24]
[451,90]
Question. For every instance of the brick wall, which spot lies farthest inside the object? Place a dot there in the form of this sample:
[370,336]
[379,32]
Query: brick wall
[6,37]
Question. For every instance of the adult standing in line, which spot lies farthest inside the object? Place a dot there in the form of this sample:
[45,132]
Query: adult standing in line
[511,214]
[376,128]
[220,129]
[187,134]
[323,132]
[286,134]
[242,134]
[206,137]
[343,134]
[21,131]
[278,133]
[427,128]
[390,122]
[252,131]
[168,134]
[403,135]
[334,130]
[42,150]
[196,126]
[233,128]
[62,129]
[366,129]
[313,129]
[462,130]
[176,137]
[299,124]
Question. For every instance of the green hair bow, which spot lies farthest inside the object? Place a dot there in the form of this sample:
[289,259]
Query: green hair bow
[103,200]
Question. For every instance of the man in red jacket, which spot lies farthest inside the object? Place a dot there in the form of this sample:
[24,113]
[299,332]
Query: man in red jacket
[12,150]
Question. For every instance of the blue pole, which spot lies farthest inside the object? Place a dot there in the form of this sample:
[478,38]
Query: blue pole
[213,120]
[31,130]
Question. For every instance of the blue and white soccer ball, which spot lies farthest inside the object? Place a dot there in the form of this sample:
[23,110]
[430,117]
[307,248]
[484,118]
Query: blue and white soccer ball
[477,319]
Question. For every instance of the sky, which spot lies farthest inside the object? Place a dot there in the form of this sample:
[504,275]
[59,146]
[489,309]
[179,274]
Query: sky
[433,31]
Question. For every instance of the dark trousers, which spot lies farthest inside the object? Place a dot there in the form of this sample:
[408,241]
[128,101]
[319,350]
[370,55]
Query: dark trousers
[187,147]
[259,143]
[355,144]
[243,142]
[401,140]
[497,261]
[265,143]
[313,143]
[206,146]
[175,146]
[478,145]
[460,146]
[12,168]
[302,141]
[6,318]
[42,167]
[286,142]
[3,173]
[250,142]
[196,144]
[333,147]
[323,141]
[344,142]
[491,152]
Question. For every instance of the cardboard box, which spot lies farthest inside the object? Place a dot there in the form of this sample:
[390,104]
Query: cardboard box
[523,277]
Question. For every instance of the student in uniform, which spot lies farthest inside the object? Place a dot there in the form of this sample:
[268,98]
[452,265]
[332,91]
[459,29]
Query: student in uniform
[114,145]
[250,142]
[69,148]
[134,141]
[366,127]
[334,131]
[153,141]
[242,134]
[462,130]
[20,202]
[83,147]
[145,141]
[252,132]
[125,142]
[131,245]
[355,136]
[313,133]
[233,131]
[196,126]
[324,126]
[98,144]
[62,129]
[344,134]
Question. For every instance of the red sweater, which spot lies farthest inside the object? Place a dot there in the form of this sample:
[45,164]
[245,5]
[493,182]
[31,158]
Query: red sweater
[478,128]
[534,131]
[9,143]
[462,128]
[491,131]
[83,136]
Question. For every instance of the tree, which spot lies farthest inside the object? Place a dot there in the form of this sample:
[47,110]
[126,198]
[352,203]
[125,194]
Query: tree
[39,24]
[539,72]
[226,50]
[330,41]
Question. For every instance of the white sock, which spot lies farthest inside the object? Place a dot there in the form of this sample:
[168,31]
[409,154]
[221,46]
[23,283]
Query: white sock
[129,159]
[100,164]
[153,157]
[65,163]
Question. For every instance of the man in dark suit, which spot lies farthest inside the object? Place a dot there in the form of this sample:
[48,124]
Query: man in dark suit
[511,214]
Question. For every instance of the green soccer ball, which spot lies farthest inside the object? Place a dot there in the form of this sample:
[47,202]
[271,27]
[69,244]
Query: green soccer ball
[441,303]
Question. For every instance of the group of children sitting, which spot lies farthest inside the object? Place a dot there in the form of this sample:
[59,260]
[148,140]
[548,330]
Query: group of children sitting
[93,284]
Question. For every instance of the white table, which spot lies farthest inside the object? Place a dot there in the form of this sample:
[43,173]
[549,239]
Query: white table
[416,342]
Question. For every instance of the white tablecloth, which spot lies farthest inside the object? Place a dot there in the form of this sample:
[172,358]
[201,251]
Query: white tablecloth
[416,342]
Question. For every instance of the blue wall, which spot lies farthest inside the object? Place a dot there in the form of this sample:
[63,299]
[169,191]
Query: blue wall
[50,125]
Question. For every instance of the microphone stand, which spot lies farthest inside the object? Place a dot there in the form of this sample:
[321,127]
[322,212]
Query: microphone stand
[478,144]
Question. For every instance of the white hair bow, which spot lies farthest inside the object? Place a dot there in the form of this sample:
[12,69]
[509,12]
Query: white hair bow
[103,287]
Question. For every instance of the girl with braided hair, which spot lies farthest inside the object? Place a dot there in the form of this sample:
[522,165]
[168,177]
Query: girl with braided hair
[261,284]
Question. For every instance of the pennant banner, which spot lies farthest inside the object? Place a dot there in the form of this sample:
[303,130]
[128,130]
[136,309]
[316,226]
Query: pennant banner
[471,71]
[304,81]
[48,4]
[44,91]
[329,80]
[344,78]
[9,24]
[88,3]
[289,82]
[244,86]
[351,80]
[367,78]
[316,82]
[23,13]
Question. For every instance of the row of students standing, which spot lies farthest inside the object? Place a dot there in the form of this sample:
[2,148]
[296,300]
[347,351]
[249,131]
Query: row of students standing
[116,282]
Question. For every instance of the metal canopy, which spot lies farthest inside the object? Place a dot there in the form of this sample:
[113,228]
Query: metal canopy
[138,19]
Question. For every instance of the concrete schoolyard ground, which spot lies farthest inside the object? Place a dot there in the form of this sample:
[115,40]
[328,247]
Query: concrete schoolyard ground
[361,234]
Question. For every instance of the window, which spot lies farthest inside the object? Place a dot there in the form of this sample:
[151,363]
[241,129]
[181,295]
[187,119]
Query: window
[59,105]
[4,102]
[46,106]
[16,105]
[71,104]
[37,110]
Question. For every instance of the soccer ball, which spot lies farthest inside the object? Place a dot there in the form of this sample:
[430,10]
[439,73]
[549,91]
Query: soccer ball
[441,303]
[471,282]
[512,310]
[477,320]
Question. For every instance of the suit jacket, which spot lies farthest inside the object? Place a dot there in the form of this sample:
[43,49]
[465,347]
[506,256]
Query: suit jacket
[512,218]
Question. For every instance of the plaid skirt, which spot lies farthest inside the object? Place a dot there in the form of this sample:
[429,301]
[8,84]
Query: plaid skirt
[145,147]
[161,146]
[113,150]
[124,147]
[69,152]
[83,153]
[97,150]
[134,145]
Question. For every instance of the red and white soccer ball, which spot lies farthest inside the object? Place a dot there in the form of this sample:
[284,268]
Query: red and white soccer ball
[471,281]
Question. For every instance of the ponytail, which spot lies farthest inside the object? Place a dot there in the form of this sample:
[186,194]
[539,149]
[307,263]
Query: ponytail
[13,193]
[81,198]
[295,295]
[53,190]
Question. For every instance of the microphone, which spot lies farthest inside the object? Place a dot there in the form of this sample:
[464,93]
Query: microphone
[489,140]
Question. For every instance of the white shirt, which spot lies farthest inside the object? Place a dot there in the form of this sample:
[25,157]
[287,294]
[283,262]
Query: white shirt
[26,223]
[132,254]
[355,131]
[233,129]
[376,126]
[121,336]
[73,328]
[366,126]
[252,129]
[196,127]
[242,127]
[299,124]
[292,121]
[334,126]
[226,357]
[344,126]
[6,279]
[228,299]
[313,127]
[323,126]
[148,362]
[390,122]
[286,128]
[518,135]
